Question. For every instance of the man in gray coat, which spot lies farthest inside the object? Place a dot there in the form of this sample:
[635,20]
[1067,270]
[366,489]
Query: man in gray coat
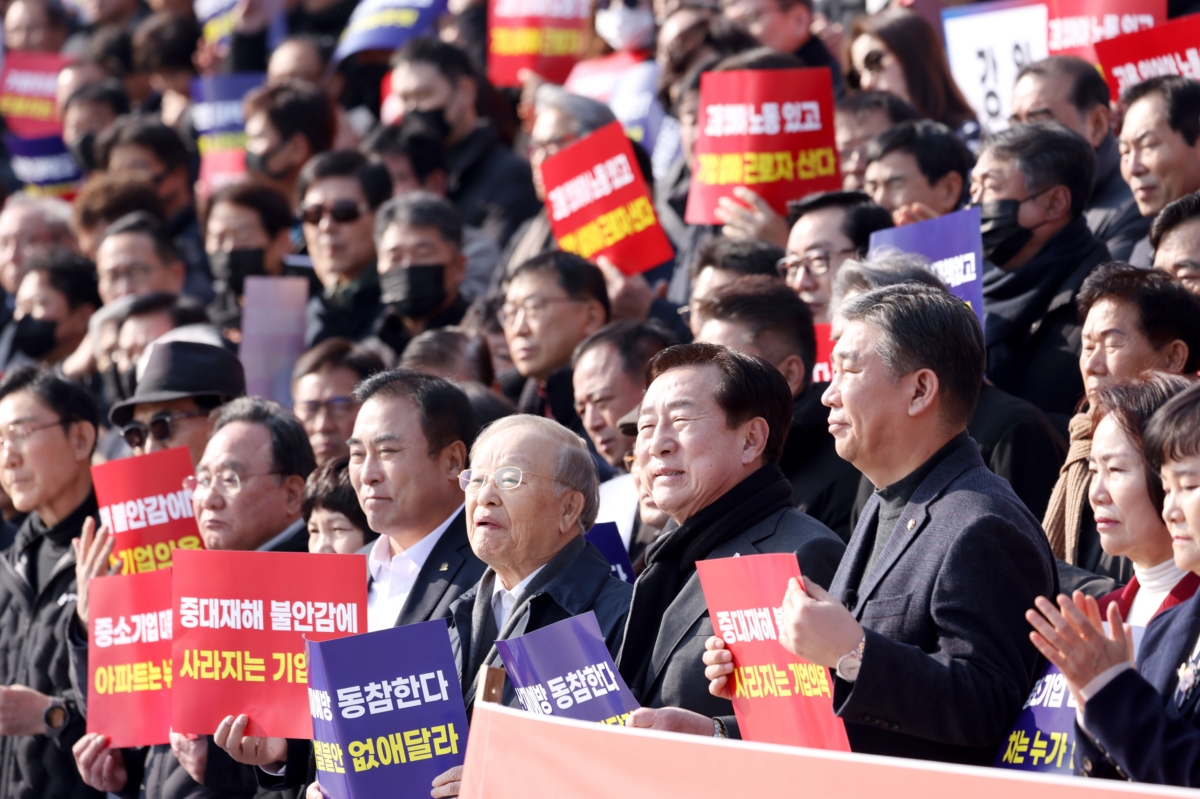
[711,431]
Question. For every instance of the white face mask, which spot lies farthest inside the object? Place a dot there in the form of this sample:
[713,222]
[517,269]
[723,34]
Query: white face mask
[625,28]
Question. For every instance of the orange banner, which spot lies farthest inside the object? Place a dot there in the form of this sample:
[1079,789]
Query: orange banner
[516,755]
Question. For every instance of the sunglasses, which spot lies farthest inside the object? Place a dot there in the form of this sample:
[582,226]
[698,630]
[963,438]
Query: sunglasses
[341,211]
[160,427]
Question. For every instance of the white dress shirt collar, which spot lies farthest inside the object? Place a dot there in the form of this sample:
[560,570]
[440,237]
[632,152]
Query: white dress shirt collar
[503,600]
[393,576]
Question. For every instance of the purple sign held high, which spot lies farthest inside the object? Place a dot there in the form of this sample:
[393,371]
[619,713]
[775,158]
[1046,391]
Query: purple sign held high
[388,714]
[606,539]
[954,246]
[565,670]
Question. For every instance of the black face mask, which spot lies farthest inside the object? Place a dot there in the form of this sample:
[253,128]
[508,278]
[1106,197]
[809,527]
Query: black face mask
[83,150]
[232,267]
[414,291]
[1003,235]
[257,162]
[35,337]
[433,121]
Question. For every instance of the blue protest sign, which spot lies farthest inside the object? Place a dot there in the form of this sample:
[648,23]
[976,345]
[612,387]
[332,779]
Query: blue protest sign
[44,166]
[221,125]
[388,714]
[954,246]
[606,538]
[1043,738]
[387,24]
[218,18]
[565,670]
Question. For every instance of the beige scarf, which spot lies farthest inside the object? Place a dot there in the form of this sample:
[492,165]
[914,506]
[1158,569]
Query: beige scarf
[1064,514]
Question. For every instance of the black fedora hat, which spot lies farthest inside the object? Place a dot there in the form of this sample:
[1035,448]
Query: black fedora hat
[178,369]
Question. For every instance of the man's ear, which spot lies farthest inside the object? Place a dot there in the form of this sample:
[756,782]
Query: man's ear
[572,509]
[452,460]
[755,441]
[1097,123]
[595,317]
[82,436]
[793,370]
[1058,203]
[926,391]
[293,484]
[949,191]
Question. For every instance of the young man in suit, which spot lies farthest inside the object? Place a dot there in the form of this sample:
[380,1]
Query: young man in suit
[924,622]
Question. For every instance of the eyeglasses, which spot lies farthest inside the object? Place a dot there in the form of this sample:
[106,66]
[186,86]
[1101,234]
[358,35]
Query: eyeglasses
[339,408]
[341,211]
[534,308]
[160,428]
[506,478]
[226,481]
[815,262]
[16,435]
[549,146]
[136,274]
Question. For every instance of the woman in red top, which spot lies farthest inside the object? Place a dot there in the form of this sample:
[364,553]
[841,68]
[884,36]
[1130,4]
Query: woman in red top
[1127,499]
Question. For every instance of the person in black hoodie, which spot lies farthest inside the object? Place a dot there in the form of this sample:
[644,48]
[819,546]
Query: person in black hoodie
[761,316]
[47,434]
[1032,183]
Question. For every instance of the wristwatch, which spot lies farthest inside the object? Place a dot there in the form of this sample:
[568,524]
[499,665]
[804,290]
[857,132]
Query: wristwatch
[56,715]
[848,665]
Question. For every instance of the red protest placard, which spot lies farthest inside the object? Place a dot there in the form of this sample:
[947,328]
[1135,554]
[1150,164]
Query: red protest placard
[1169,49]
[144,504]
[768,130]
[129,658]
[778,698]
[598,202]
[27,89]
[240,623]
[822,370]
[545,36]
[1074,27]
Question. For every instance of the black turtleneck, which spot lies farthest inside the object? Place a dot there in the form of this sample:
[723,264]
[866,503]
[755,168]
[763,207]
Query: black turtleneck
[894,498]
[50,544]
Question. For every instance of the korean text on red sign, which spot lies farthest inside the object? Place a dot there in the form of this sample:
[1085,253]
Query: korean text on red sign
[545,36]
[129,658]
[240,623]
[599,204]
[1169,49]
[770,131]
[777,697]
[144,504]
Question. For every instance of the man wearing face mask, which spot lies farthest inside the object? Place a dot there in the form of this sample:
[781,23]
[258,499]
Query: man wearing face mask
[1032,183]
[246,235]
[421,266]
[87,113]
[56,298]
[287,123]
[492,187]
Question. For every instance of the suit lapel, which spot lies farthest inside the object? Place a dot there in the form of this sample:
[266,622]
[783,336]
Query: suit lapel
[437,575]
[1171,649]
[854,561]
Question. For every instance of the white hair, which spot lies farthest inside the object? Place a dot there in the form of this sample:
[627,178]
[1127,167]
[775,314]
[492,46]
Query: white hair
[588,115]
[55,213]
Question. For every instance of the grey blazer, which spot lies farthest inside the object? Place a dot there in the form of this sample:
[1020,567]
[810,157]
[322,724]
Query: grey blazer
[948,661]
[678,671]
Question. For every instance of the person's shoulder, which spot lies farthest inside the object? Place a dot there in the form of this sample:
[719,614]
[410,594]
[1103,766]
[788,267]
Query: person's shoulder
[790,530]
[977,496]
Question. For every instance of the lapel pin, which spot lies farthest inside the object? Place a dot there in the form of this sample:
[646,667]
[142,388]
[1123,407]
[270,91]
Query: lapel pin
[445,567]
[912,523]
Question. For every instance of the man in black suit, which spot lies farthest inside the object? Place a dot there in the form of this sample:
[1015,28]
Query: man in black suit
[410,443]
[711,430]
[924,623]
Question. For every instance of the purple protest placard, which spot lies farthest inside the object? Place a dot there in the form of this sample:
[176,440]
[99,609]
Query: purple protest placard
[388,714]
[272,334]
[954,246]
[606,539]
[44,166]
[565,670]
[221,126]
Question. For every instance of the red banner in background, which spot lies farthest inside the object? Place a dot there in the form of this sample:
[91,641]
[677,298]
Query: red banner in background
[129,658]
[599,204]
[146,507]
[240,623]
[1169,49]
[545,36]
[768,130]
[1074,27]
[778,698]
[28,86]
[822,371]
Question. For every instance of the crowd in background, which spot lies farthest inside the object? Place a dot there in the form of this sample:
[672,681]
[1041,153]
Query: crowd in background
[944,479]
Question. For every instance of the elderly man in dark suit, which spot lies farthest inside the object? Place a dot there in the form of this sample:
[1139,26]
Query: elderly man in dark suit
[924,623]
[711,431]
[410,442]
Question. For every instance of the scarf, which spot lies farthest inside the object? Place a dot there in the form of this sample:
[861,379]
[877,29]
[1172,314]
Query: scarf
[671,560]
[1064,514]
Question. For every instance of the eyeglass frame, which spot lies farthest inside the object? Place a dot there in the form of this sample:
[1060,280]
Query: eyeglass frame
[465,475]
[531,307]
[790,264]
[196,486]
[147,430]
[327,405]
[18,448]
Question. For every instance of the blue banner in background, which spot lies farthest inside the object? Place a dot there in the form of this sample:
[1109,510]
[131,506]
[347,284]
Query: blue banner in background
[217,20]
[44,166]
[387,24]
[565,670]
[954,246]
[388,714]
[221,126]
[608,540]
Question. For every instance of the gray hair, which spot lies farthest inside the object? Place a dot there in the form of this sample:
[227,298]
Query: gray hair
[923,327]
[55,213]
[575,470]
[421,209]
[586,115]
[887,267]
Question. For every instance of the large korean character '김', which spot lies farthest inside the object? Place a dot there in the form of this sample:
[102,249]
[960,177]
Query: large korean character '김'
[362,755]
[350,702]
[445,739]
[324,616]
[417,742]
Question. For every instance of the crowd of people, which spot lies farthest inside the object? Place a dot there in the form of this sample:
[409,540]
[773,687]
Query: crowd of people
[966,501]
